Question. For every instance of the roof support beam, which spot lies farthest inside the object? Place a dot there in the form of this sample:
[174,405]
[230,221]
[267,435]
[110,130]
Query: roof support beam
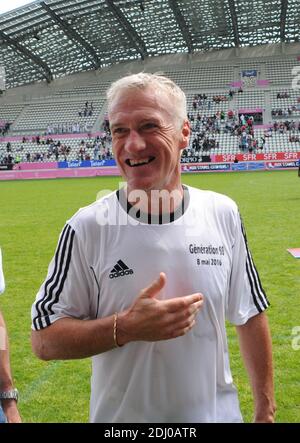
[131,33]
[182,24]
[72,34]
[28,55]
[284,6]
[234,23]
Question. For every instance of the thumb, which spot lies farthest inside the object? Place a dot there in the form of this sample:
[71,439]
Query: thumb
[155,287]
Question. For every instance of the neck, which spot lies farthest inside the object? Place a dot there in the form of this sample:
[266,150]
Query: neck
[156,201]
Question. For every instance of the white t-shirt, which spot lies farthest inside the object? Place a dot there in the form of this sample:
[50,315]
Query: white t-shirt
[2,281]
[103,260]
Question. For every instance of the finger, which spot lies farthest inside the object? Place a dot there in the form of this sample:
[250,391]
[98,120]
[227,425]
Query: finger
[181,329]
[181,303]
[155,287]
[186,323]
[195,307]
[188,328]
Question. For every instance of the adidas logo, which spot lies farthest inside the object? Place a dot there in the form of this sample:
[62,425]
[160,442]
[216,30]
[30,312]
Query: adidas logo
[119,270]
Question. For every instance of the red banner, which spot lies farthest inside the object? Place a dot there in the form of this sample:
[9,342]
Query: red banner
[256,157]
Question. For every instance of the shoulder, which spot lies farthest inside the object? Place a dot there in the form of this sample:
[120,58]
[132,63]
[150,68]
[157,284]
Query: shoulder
[220,203]
[88,218]
[215,210]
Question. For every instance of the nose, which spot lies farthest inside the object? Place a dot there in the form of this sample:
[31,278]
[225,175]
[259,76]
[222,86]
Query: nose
[134,142]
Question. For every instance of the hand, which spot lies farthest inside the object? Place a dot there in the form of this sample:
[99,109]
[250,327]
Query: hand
[11,412]
[150,319]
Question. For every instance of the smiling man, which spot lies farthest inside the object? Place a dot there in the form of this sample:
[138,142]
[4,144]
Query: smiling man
[143,280]
[148,137]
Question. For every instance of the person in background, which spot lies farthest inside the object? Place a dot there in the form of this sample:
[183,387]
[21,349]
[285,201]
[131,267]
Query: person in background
[8,395]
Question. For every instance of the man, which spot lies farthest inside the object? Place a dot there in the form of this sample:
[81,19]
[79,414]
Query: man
[126,283]
[8,396]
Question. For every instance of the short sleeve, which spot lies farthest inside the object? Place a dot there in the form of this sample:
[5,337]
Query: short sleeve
[66,291]
[2,281]
[246,296]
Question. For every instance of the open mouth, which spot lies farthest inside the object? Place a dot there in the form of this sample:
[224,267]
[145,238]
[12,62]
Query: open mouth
[133,163]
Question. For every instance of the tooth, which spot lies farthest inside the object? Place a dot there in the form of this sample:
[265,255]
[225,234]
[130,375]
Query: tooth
[140,161]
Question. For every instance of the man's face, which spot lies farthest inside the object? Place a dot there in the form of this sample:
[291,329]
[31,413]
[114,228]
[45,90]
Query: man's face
[146,139]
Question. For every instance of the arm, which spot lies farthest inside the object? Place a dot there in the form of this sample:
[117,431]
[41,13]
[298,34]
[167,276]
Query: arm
[6,383]
[256,350]
[148,319]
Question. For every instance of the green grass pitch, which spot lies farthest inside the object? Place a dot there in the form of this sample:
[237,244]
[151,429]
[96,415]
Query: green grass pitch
[34,212]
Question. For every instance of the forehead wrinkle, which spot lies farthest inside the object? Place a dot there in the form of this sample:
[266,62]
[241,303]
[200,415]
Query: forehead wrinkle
[130,120]
[139,120]
[156,99]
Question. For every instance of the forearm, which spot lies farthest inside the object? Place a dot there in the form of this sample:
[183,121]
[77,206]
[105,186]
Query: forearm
[6,382]
[70,338]
[147,319]
[256,349]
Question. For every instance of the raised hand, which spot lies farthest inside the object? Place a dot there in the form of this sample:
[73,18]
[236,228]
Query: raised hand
[151,319]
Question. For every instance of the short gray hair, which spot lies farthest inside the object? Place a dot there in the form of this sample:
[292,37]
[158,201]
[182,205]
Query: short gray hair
[142,81]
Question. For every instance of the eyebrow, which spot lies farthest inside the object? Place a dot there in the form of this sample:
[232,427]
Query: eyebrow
[141,122]
[114,125]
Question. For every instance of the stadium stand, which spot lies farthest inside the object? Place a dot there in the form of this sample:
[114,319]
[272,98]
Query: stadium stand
[10,111]
[60,110]
[38,116]
[78,73]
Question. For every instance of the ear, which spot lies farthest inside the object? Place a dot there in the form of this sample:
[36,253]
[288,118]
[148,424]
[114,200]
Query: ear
[185,134]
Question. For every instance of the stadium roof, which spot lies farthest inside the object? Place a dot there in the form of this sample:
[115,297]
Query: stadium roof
[52,38]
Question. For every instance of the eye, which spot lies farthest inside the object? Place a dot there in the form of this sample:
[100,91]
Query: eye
[149,125]
[118,131]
